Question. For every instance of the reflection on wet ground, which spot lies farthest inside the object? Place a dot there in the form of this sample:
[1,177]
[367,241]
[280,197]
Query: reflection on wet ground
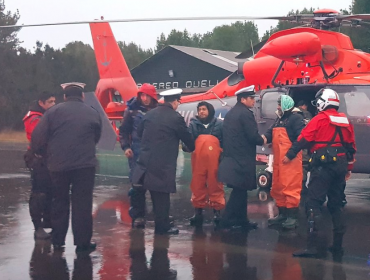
[194,254]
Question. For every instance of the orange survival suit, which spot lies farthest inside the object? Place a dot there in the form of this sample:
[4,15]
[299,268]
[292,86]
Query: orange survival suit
[205,160]
[287,177]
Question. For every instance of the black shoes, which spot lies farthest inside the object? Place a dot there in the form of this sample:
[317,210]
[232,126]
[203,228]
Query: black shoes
[306,253]
[171,231]
[138,223]
[86,248]
[41,234]
[241,227]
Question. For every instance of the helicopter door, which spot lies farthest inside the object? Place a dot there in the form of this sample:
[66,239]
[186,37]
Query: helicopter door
[266,108]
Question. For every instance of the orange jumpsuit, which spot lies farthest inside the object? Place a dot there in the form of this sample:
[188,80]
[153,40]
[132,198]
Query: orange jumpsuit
[287,178]
[204,162]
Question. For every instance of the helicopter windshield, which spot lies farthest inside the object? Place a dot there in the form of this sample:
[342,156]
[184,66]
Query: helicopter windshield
[355,100]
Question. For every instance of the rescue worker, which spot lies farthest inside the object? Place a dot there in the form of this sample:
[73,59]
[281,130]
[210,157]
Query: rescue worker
[238,165]
[207,133]
[69,132]
[40,198]
[287,178]
[137,107]
[330,137]
[161,130]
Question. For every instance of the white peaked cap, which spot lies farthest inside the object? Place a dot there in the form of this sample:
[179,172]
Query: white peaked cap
[171,92]
[73,84]
[249,90]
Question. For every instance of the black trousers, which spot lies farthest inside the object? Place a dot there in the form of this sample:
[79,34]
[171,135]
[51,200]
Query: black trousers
[235,213]
[328,181]
[137,202]
[81,183]
[161,209]
[41,197]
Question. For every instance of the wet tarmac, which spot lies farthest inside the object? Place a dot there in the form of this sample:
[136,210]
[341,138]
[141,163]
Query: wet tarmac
[123,253]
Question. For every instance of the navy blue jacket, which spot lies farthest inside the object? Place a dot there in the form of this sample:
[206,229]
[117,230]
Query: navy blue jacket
[196,128]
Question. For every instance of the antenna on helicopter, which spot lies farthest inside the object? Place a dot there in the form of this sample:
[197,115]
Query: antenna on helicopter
[252,48]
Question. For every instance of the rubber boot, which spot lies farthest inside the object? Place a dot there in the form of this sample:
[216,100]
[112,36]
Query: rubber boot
[291,221]
[216,217]
[339,228]
[279,219]
[197,219]
[311,250]
[337,248]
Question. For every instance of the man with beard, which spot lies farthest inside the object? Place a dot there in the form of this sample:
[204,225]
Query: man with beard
[40,198]
[205,188]
[137,107]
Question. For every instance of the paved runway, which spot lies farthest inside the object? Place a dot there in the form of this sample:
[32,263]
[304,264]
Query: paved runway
[123,253]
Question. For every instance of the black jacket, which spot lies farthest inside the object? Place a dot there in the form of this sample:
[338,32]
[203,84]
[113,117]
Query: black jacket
[68,132]
[161,130]
[132,117]
[240,137]
[293,122]
[196,128]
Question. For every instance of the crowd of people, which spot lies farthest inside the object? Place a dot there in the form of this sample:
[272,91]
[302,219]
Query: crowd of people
[61,157]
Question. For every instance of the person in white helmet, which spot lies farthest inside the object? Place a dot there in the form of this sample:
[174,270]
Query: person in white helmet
[330,137]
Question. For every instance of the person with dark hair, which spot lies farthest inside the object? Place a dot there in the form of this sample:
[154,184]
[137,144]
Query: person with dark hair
[40,198]
[303,106]
[67,134]
[287,177]
[238,165]
[205,188]
[330,137]
[161,130]
[136,109]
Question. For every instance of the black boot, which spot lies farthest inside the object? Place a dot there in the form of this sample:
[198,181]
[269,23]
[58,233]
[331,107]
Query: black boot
[279,219]
[311,250]
[336,248]
[216,217]
[197,219]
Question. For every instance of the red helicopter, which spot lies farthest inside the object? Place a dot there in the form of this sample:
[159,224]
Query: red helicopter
[298,62]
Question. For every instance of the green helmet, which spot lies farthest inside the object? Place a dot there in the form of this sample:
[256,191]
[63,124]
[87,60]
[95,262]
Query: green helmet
[286,102]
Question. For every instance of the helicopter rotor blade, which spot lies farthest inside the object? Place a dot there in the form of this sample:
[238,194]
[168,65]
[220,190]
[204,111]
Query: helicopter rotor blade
[354,17]
[292,18]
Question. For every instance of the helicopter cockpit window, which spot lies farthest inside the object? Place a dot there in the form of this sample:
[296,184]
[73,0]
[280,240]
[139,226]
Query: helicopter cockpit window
[357,104]
[116,97]
[269,104]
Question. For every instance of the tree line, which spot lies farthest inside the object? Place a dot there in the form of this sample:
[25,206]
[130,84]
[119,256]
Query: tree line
[25,74]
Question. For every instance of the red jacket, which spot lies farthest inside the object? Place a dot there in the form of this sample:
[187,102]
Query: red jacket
[30,120]
[322,129]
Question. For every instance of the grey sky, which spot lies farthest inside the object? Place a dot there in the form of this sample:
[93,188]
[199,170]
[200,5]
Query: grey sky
[144,34]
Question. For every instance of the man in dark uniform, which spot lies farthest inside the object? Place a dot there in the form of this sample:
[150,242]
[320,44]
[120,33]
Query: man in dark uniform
[238,165]
[40,198]
[330,137]
[68,133]
[137,107]
[161,130]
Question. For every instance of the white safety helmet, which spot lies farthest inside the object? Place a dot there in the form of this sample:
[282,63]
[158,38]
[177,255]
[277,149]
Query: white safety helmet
[325,97]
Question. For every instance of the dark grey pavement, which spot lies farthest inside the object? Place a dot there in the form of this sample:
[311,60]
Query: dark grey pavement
[123,253]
